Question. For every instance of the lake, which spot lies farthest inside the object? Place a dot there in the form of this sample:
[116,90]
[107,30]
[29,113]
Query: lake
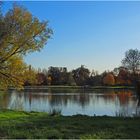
[71,102]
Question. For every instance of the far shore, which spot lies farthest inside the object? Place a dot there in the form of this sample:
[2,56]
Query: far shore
[63,87]
[78,87]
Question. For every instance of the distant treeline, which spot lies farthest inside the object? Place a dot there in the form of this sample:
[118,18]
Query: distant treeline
[80,77]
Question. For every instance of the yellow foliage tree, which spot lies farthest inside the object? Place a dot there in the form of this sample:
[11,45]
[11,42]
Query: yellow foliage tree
[30,76]
[12,75]
[49,80]
[20,34]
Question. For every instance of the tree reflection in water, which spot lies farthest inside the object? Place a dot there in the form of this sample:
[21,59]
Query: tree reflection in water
[4,100]
[101,102]
[138,106]
[16,101]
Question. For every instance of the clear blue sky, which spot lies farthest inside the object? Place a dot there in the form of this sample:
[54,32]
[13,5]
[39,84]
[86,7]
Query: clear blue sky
[95,34]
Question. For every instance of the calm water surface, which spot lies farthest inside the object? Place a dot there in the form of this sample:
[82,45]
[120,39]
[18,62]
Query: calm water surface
[71,102]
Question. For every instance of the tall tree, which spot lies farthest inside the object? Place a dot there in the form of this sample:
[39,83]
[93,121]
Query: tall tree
[81,75]
[132,60]
[20,33]
[54,73]
[124,77]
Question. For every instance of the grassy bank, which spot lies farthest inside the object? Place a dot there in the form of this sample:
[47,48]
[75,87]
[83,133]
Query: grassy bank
[15,124]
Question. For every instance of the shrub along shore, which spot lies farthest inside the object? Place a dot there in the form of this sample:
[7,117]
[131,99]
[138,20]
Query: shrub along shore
[20,124]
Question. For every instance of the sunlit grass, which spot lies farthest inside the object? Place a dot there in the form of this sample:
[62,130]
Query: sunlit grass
[14,124]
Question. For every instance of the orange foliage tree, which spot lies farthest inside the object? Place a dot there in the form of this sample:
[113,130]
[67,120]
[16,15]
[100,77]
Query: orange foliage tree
[123,78]
[109,79]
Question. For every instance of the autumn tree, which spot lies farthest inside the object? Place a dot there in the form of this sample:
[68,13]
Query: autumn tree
[49,80]
[12,73]
[132,60]
[20,33]
[109,79]
[123,77]
[30,76]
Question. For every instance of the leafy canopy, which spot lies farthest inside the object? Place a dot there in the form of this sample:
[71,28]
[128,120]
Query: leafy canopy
[20,33]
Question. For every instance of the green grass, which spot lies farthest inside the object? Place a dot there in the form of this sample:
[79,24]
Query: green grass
[14,124]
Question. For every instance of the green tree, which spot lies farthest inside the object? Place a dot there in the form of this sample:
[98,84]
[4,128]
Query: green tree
[81,75]
[59,75]
[71,80]
[20,33]
[54,73]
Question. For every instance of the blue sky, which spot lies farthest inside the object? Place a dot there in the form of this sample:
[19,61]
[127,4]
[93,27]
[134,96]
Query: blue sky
[95,34]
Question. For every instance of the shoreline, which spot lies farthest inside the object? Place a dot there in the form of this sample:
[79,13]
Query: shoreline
[79,87]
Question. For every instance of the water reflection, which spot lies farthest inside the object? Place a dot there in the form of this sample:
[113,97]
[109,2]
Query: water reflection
[4,101]
[138,107]
[103,102]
